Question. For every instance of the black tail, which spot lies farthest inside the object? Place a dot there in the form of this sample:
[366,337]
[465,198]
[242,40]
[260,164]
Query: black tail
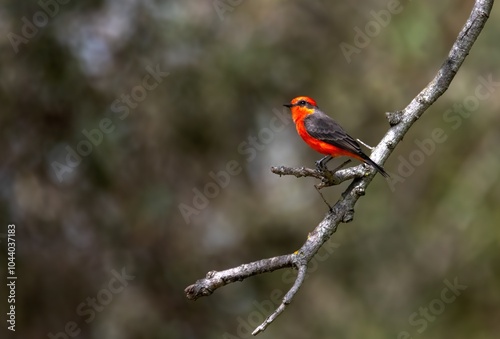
[377,167]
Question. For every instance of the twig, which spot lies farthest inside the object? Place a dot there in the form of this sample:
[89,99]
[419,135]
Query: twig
[343,210]
[322,197]
[366,145]
[214,280]
[287,299]
[328,178]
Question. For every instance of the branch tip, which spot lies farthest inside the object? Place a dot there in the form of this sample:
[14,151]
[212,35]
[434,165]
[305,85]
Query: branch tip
[287,299]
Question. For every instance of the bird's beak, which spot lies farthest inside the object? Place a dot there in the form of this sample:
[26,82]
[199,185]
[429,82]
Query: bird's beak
[288,105]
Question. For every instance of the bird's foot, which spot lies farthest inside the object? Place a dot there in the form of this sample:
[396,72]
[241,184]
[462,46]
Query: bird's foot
[321,164]
[321,167]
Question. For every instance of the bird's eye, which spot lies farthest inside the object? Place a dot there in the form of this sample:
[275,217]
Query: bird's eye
[302,103]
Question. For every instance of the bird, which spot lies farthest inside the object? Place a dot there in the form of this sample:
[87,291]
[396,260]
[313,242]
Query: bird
[325,135]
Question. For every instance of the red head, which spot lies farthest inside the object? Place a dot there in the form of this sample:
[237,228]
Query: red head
[301,107]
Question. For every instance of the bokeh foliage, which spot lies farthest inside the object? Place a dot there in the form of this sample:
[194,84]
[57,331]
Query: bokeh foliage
[230,70]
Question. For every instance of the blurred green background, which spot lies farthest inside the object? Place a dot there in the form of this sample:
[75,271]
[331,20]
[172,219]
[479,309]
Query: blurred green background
[420,258]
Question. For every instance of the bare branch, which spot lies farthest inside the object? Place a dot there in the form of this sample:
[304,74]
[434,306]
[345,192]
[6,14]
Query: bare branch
[214,280]
[328,178]
[343,210]
[286,300]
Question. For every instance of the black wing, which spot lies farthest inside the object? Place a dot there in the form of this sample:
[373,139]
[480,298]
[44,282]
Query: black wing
[322,127]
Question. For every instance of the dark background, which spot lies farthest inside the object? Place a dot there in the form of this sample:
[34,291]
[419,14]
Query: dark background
[118,209]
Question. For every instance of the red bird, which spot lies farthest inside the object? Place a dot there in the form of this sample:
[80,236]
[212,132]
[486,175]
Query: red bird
[324,135]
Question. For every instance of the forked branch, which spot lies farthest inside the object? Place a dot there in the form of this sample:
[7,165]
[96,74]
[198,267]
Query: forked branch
[343,210]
